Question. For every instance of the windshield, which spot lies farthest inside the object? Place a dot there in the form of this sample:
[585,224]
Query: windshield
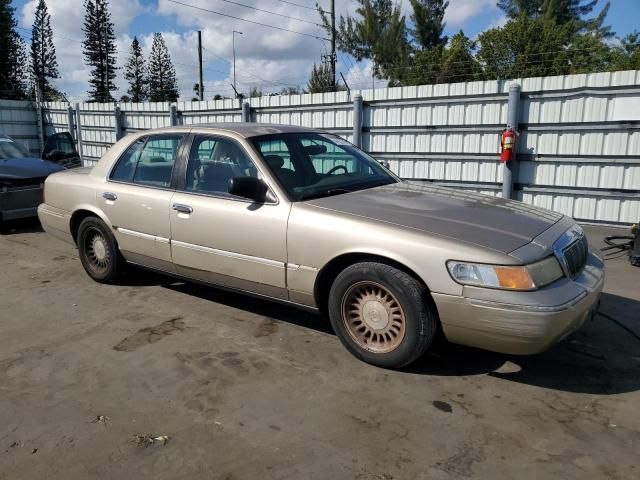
[313,165]
[9,149]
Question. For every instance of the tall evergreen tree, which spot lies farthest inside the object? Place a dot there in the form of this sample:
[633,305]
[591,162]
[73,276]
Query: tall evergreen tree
[44,65]
[377,32]
[136,73]
[163,85]
[99,48]
[13,59]
[428,20]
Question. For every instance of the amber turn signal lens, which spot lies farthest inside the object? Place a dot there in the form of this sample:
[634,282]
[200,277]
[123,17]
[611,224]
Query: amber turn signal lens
[514,278]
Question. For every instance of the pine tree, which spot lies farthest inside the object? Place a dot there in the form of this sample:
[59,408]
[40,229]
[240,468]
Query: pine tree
[99,48]
[44,66]
[13,59]
[428,18]
[320,80]
[136,74]
[377,32]
[163,85]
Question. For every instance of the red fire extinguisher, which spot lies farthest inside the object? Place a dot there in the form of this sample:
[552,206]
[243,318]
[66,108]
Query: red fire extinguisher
[507,144]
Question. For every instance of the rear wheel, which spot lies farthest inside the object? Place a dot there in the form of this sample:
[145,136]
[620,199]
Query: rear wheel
[382,314]
[98,251]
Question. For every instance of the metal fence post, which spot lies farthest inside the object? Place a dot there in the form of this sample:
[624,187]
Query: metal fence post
[118,122]
[512,121]
[71,123]
[357,120]
[79,133]
[246,112]
[39,119]
[173,115]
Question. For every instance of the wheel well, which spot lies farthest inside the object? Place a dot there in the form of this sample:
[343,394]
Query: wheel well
[76,219]
[331,270]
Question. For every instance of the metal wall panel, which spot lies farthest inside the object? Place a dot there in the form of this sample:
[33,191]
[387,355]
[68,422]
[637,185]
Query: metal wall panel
[579,142]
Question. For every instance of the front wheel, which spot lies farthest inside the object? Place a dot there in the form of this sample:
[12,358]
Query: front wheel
[98,251]
[382,314]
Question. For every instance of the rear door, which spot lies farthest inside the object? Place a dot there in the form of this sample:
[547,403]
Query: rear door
[137,199]
[220,238]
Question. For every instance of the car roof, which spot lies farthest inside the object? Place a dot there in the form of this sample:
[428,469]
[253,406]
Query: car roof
[246,129]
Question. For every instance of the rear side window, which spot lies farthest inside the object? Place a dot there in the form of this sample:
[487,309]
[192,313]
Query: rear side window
[148,161]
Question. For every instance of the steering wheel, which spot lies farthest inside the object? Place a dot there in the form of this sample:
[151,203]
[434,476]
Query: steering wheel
[337,167]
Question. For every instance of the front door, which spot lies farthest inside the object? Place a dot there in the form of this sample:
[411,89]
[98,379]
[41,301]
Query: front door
[137,200]
[223,239]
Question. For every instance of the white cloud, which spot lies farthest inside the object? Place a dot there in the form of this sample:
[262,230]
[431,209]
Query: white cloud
[460,11]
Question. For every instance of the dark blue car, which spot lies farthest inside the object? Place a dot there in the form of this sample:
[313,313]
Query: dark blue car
[22,176]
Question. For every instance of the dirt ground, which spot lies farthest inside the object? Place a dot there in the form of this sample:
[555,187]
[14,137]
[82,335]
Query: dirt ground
[245,389]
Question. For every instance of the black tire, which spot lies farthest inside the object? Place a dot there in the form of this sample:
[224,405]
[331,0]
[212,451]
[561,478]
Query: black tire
[103,262]
[402,299]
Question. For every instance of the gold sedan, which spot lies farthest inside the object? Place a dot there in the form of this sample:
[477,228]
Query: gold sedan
[303,217]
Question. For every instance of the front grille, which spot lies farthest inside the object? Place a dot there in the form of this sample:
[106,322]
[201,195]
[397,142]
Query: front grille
[8,184]
[575,255]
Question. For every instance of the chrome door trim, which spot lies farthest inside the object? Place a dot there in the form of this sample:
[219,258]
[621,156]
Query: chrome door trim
[145,236]
[225,253]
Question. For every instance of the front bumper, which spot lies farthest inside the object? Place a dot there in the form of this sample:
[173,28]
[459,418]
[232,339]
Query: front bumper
[20,203]
[522,323]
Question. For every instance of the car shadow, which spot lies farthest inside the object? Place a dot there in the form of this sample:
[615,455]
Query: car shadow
[600,358]
[23,225]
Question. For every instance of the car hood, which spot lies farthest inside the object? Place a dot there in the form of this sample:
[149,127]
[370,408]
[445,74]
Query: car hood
[492,222]
[20,168]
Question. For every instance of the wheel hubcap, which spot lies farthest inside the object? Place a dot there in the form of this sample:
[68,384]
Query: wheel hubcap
[96,250]
[373,317]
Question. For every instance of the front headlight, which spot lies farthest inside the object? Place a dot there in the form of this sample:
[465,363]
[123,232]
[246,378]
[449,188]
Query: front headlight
[504,277]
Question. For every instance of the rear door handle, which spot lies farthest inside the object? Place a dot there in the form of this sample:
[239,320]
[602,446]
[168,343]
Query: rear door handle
[110,196]
[181,208]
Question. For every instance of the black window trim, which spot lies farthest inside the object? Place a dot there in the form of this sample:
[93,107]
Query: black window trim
[146,138]
[181,182]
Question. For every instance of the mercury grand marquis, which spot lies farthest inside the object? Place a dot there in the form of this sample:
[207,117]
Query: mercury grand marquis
[302,216]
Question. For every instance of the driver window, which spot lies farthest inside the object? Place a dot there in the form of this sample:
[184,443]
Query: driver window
[213,162]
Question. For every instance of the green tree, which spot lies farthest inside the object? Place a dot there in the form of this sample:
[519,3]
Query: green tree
[255,92]
[320,80]
[377,32]
[524,47]
[163,85]
[44,65]
[13,59]
[454,63]
[135,72]
[428,20]
[99,49]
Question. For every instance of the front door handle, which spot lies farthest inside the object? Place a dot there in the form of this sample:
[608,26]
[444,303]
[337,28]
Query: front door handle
[110,196]
[181,208]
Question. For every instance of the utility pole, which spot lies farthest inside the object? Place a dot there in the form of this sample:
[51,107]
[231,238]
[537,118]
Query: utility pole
[333,45]
[234,59]
[200,84]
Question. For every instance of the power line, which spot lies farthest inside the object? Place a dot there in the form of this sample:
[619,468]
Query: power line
[272,13]
[298,5]
[246,20]
[55,35]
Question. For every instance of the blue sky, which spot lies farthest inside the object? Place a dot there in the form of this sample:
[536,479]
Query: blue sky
[266,58]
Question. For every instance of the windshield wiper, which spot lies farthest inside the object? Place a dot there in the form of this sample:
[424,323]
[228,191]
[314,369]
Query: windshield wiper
[326,193]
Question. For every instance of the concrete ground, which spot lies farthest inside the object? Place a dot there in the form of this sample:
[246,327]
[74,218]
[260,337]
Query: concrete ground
[246,389]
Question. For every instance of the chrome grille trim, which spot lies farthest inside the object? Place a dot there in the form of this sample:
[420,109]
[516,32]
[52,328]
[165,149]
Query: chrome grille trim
[572,250]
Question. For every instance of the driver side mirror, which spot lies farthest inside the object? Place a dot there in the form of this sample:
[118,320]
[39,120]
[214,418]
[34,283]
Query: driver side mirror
[385,164]
[251,188]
